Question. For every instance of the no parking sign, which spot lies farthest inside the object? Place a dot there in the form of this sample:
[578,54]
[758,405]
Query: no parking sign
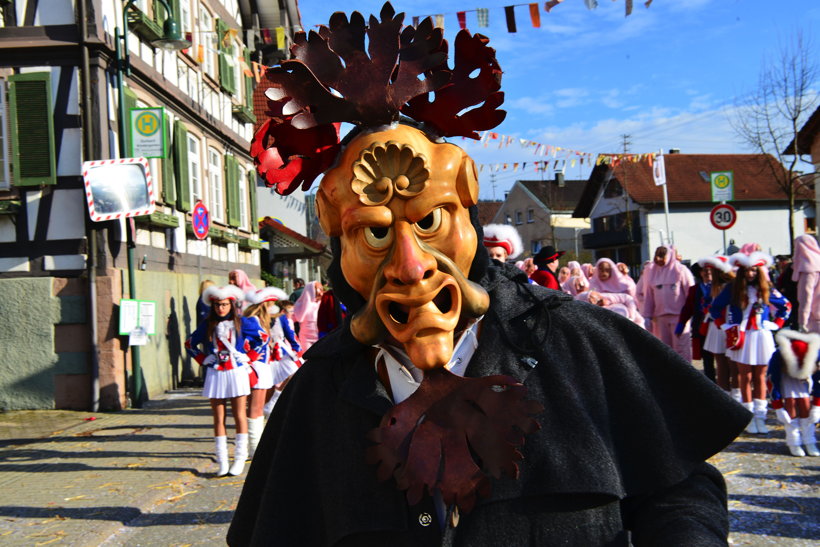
[201,220]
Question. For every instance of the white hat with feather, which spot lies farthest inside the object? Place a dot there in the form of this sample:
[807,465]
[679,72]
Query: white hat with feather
[750,261]
[718,262]
[268,294]
[799,352]
[504,236]
[215,293]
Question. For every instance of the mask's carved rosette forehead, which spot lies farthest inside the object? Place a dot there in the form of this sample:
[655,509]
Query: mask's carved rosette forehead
[383,169]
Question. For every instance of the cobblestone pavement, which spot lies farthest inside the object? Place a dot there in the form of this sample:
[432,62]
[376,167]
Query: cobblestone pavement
[145,477]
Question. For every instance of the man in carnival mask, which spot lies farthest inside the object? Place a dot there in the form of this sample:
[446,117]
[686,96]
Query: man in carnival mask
[458,404]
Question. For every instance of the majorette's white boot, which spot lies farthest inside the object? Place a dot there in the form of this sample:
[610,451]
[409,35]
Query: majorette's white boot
[760,408]
[752,427]
[792,430]
[221,455]
[794,439]
[240,454]
[736,394]
[255,428]
[809,439]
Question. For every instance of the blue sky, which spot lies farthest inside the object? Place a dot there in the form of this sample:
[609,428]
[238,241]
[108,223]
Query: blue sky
[667,75]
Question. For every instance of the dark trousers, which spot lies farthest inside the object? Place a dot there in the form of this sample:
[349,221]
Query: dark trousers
[708,364]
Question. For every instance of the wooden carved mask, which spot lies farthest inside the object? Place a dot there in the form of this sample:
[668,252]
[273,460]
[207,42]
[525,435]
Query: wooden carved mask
[399,202]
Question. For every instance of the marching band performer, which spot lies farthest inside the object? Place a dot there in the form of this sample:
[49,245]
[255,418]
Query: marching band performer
[218,344]
[749,323]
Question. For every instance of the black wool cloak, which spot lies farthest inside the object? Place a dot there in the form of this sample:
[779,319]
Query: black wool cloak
[626,429]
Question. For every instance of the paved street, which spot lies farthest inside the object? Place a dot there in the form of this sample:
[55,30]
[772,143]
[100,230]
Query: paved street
[144,477]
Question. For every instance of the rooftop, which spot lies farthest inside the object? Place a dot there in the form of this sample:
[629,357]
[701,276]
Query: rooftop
[688,180]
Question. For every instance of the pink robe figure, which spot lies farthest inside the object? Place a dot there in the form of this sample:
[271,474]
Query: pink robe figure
[617,282]
[806,271]
[576,279]
[666,289]
[305,310]
[241,280]
[575,285]
[640,286]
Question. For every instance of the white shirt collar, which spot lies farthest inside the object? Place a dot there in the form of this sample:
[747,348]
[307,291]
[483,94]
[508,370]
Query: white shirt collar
[405,378]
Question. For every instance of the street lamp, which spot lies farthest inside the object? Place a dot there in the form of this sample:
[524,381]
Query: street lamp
[171,40]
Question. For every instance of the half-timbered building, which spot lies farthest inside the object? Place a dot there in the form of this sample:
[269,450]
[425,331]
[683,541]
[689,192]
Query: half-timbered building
[62,276]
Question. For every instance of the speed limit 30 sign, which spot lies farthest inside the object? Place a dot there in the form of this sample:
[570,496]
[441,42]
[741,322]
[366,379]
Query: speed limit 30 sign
[723,216]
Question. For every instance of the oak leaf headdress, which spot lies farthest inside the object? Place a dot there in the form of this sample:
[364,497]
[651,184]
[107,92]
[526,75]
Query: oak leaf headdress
[371,74]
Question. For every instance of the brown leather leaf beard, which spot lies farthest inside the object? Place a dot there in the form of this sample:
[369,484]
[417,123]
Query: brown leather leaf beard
[452,434]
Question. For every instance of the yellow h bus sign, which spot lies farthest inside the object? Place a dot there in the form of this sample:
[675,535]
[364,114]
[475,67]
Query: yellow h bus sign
[147,133]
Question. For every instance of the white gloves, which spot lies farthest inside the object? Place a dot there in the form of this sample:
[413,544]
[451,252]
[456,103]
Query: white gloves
[210,360]
[814,414]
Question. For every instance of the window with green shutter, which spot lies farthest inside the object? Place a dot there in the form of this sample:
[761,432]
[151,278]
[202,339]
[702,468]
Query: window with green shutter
[169,190]
[180,156]
[252,200]
[244,111]
[31,124]
[159,11]
[227,76]
[232,190]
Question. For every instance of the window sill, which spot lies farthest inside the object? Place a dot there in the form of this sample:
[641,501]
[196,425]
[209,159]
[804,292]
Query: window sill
[159,219]
[143,26]
[9,207]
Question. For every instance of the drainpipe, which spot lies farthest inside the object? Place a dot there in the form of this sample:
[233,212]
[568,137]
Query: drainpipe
[91,234]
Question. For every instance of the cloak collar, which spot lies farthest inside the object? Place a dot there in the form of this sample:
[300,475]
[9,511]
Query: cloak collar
[511,299]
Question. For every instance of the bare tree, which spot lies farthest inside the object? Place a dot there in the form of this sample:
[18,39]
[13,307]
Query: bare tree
[771,116]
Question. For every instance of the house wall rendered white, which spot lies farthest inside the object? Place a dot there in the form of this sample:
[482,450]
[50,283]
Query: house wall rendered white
[695,237]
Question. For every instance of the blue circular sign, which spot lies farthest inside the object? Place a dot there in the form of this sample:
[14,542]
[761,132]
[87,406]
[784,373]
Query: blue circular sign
[201,220]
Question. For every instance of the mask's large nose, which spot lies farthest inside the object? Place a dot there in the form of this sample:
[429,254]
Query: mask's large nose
[409,264]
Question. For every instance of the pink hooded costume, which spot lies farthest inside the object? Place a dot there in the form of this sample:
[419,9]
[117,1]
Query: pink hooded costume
[617,289]
[617,282]
[666,288]
[305,310]
[806,271]
[243,282]
[568,286]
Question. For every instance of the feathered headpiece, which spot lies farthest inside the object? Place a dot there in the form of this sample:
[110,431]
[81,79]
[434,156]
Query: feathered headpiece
[799,352]
[718,262]
[214,293]
[268,294]
[504,236]
[750,261]
[369,74]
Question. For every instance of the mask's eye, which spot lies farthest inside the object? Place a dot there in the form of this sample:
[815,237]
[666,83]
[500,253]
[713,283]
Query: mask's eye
[431,223]
[377,236]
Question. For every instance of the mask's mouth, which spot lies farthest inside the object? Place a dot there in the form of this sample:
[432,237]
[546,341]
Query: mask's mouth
[400,312]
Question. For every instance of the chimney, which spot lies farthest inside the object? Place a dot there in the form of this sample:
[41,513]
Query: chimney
[559,178]
[674,150]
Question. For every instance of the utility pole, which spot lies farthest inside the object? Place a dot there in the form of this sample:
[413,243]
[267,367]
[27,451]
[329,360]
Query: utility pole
[626,144]
[492,183]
